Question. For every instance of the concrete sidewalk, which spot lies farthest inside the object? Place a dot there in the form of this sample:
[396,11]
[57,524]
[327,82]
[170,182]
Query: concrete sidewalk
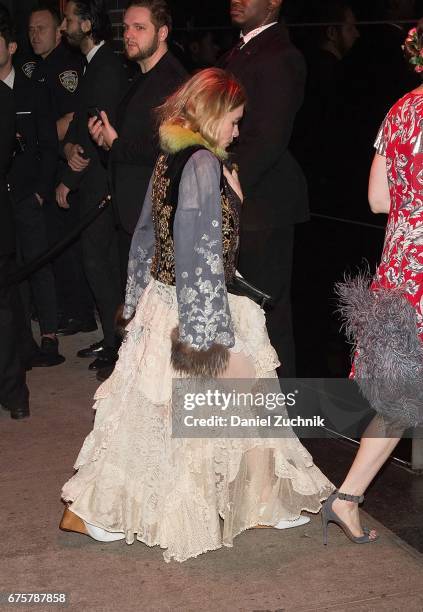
[267,570]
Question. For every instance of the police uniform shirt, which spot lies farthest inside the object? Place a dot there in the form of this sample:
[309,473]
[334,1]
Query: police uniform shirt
[25,64]
[33,168]
[61,71]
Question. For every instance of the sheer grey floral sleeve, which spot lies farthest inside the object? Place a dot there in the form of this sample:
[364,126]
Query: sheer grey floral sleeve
[204,315]
[140,257]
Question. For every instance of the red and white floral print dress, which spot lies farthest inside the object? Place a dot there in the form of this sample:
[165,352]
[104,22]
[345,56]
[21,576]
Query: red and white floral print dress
[400,140]
[384,318]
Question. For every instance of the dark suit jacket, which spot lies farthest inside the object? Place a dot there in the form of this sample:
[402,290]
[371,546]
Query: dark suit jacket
[7,141]
[33,171]
[273,73]
[134,153]
[101,87]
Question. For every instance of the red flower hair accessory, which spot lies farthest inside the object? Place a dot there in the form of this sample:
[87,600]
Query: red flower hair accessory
[413,49]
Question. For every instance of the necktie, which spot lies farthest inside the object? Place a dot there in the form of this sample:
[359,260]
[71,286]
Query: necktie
[236,50]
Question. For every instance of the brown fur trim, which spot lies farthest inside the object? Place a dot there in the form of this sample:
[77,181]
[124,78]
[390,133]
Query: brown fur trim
[198,363]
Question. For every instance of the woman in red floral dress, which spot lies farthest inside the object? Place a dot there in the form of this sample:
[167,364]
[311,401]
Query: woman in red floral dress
[385,320]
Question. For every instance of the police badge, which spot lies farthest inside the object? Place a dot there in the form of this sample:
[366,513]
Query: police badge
[69,80]
[28,69]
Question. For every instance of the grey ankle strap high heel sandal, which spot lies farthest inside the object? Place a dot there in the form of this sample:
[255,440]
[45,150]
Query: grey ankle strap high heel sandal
[329,516]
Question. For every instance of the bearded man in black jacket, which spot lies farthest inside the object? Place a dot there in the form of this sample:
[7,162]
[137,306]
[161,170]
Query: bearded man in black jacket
[87,26]
[273,72]
[134,144]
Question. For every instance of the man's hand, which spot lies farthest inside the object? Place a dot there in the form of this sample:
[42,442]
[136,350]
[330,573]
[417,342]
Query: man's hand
[40,200]
[73,154]
[101,131]
[95,128]
[62,193]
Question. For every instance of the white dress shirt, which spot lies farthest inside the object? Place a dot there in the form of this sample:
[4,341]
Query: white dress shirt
[10,79]
[256,32]
[93,51]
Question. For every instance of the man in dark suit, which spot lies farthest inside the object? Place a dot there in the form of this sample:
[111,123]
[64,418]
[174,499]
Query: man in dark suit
[14,395]
[87,26]
[134,143]
[31,180]
[273,73]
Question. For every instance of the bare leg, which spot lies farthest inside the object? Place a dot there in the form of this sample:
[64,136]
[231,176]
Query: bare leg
[259,475]
[372,454]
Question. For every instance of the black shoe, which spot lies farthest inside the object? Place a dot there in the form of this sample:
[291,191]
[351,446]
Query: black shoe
[104,373]
[69,327]
[106,359]
[20,412]
[94,350]
[17,412]
[48,355]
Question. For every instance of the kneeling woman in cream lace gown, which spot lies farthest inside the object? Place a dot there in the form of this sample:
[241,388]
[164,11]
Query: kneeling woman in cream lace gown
[134,480]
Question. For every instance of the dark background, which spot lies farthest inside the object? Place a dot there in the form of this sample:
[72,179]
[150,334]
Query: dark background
[216,12]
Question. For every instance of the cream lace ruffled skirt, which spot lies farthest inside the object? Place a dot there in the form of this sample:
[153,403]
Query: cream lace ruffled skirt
[133,477]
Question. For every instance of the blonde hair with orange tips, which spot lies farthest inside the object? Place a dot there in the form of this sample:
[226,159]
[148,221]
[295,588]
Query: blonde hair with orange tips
[202,102]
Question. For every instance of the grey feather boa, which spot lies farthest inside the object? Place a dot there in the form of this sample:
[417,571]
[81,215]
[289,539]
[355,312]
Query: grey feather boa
[382,326]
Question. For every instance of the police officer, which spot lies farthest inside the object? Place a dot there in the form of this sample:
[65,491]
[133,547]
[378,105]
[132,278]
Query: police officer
[31,180]
[60,69]
[14,393]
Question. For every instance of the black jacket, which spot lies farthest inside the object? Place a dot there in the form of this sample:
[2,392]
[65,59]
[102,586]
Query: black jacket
[101,86]
[273,73]
[134,153]
[7,141]
[33,170]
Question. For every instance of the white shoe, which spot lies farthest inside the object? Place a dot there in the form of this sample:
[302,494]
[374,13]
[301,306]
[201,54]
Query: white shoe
[102,535]
[302,520]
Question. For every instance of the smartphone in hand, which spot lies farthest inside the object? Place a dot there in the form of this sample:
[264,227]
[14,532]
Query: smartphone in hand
[94,111]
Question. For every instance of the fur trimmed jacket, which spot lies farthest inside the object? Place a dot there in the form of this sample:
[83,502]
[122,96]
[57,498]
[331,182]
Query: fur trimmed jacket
[187,236]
